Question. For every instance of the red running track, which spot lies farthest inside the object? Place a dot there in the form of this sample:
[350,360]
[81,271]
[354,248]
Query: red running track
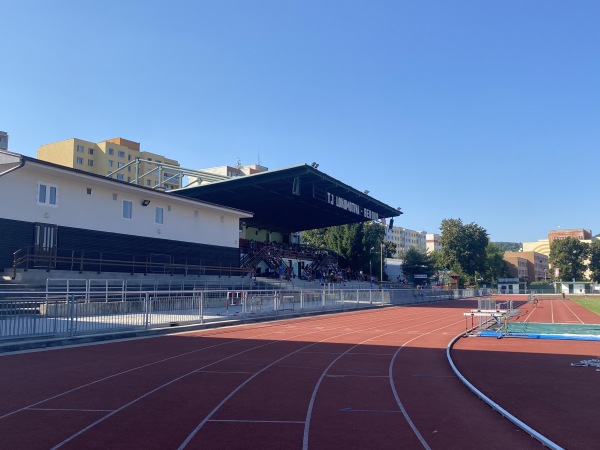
[556,310]
[368,379]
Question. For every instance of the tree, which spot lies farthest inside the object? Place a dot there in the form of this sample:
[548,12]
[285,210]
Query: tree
[464,247]
[568,255]
[509,246]
[495,265]
[315,238]
[436,261]
[417,262]
[352,242]
[594,264]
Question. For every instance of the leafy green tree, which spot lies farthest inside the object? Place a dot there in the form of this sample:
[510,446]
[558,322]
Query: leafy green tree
[495,265]
[352,242]
[509,246]
[594,264]
[436,261]
[569,255]
[390,249]
[464,248]
[417,262]
[315,238]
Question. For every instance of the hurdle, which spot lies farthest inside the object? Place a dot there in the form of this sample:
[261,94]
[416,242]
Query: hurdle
[235,298]
[286,300]
[497,315]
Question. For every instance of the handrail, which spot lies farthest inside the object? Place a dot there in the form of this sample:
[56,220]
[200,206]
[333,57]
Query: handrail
[26,258]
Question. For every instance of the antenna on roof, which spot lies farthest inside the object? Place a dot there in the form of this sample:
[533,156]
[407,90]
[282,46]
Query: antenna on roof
[258,157]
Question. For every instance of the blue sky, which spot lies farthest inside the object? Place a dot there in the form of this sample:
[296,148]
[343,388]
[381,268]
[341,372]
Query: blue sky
[487,111]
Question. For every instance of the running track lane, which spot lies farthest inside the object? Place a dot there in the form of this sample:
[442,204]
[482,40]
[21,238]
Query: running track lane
[556,311]
[375,379]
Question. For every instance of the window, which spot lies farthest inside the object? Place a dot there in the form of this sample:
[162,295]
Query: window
[119,164]
[148,183]
[91,151]
[111,151]
[120,176]
[121,154]
[90,162]
[79,160]
[127,209]
[80,149]
[128,157]
[111,163]
[47,194]
[158,216]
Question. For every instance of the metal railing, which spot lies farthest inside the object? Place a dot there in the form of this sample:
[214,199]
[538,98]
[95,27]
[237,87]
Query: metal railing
[86,309]
[77,260]
[53,314]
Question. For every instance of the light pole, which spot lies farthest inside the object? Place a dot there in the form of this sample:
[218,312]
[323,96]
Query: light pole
[370,266]
[381,271]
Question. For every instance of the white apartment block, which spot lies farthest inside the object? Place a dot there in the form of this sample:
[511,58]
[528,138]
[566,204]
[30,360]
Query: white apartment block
[405,239]
[433,242]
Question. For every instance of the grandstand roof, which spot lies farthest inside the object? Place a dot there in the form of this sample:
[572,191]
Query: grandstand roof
[297,198]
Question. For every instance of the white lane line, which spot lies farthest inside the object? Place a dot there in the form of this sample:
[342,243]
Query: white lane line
[70,409]
[552,310]
[91,383]
[398,401]
[323,375]
[133,369]
[83,430]
[301,422]
[181,377]
[234,340]
[572,312]
[232,393]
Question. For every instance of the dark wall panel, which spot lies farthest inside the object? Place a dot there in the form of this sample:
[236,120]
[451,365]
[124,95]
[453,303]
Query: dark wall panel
[119,246]
[86,244]
[14,235]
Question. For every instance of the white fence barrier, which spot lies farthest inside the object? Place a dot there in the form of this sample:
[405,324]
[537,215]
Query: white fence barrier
[110,307]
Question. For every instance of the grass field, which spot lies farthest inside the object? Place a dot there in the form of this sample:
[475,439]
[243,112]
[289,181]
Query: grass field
[591,303]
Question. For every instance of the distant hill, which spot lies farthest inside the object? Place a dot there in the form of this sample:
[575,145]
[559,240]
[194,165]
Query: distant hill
[509,246]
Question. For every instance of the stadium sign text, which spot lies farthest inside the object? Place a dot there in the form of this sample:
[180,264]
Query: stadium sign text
[347,205]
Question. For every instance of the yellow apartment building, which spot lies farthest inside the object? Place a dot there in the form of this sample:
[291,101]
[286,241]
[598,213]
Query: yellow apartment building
[529,266]
[118,158]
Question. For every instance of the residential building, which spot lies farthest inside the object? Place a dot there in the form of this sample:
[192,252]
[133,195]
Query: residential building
[405,239]
[543,245]
[118,158]
[3,140]
[74,215]
[530,266]
[223,171]
[517,265]
[578,233]
[433,242]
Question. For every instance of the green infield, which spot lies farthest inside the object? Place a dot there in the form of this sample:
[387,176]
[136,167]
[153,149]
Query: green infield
[591,303]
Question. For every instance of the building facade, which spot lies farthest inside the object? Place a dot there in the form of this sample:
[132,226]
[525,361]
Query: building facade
[433,242]
[118,158]
[577,233]
[406,239]
[54,210]
[528,266]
